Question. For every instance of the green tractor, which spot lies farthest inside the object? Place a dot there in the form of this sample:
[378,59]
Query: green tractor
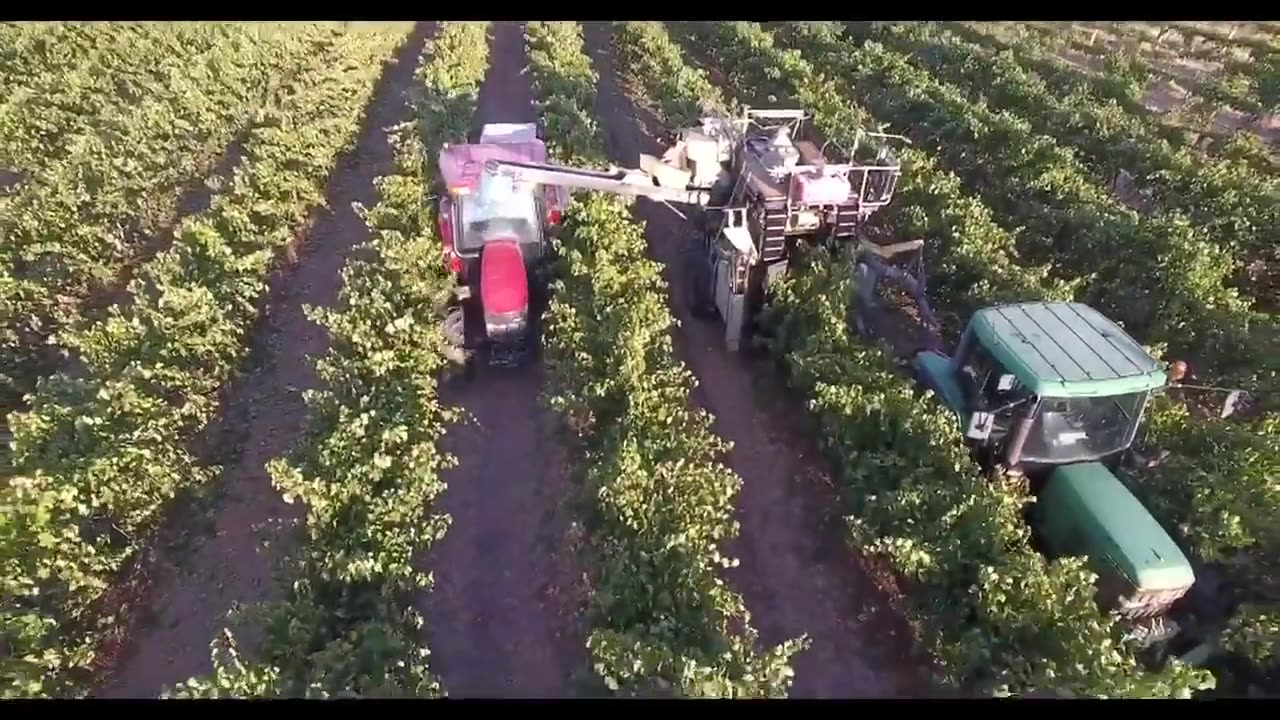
[1054,391]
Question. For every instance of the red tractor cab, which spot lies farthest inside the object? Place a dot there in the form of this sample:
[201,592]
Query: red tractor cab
[494,233]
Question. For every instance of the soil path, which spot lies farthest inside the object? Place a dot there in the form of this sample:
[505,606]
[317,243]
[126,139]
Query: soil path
[263,417]
[499,621]
[797,573]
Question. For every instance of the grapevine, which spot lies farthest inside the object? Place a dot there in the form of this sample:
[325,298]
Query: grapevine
[1234,205]
[663,619]
[102,451]
[104,166]
[1172,292]
[370,463]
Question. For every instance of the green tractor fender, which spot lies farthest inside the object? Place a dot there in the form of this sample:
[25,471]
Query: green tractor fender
[933,370]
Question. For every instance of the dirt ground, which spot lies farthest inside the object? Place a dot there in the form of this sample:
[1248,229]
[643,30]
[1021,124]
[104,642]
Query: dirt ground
[263,416]
[1163,94]
[797,574]
[501,618]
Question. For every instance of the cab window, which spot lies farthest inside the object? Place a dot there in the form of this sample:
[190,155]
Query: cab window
[990,387]
[517,216]
[975,373]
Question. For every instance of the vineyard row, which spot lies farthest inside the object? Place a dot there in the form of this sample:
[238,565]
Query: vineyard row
[1223,512]
[104,448]
[1233,205]
[1009,214]
[107,159]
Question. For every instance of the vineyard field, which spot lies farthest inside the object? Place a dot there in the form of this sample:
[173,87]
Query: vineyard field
[266,432]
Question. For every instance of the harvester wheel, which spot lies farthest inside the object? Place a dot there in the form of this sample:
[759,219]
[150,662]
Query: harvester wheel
[698,280]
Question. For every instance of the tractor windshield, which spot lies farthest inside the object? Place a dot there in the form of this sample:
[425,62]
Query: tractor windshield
[1068,430]
[516,216]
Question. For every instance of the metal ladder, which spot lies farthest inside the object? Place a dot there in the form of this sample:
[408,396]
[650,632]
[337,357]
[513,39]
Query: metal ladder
[848,215]
[773,241]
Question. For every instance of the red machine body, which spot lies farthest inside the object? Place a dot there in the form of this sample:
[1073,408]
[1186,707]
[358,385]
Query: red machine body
[495,241]
[504,286]
[499,203]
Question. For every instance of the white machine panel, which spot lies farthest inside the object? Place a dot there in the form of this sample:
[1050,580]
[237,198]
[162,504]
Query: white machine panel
[509,132]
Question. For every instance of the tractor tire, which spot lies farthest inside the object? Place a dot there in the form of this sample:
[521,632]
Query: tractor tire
[544,273]
[454,329]
[708,220]
[698,281]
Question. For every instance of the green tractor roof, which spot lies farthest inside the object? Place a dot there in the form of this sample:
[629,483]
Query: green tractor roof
[1064,349]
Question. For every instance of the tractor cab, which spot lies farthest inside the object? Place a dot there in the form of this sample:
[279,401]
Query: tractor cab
[1057,390]
[494,233]
[1045,384]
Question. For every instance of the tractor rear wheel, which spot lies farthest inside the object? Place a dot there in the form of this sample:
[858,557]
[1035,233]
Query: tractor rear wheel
[455,337]
[710,218]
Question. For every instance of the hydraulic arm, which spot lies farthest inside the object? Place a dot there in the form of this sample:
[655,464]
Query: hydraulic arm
[634,183]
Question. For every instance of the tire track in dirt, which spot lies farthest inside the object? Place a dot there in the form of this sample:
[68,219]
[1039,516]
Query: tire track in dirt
[263,416]
[797,573]
[130,586]
[497,622]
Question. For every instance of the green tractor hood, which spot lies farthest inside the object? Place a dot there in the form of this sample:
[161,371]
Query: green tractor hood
[1087,510]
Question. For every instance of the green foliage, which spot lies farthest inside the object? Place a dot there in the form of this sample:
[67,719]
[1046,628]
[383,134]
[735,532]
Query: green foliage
[450,82]
[1221,477]
[1255,634]
[997,616]
[1267,79]
[1159,276]
[1235,206]
[104,147]
[370,462]
[1246,149]
[564,88]
[1219,484]
[651,62]
[1218,487]
[664,621]
[1127,72]
[103,448]
[234,678]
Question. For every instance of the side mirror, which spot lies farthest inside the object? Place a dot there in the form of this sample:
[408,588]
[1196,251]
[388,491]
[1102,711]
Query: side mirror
[980,424]
[444,220]
[552,199]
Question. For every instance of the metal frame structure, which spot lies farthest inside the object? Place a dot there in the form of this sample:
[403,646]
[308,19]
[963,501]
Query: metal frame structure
[760,205]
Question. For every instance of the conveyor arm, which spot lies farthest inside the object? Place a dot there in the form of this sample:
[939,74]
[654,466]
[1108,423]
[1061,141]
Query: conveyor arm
[633,183]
